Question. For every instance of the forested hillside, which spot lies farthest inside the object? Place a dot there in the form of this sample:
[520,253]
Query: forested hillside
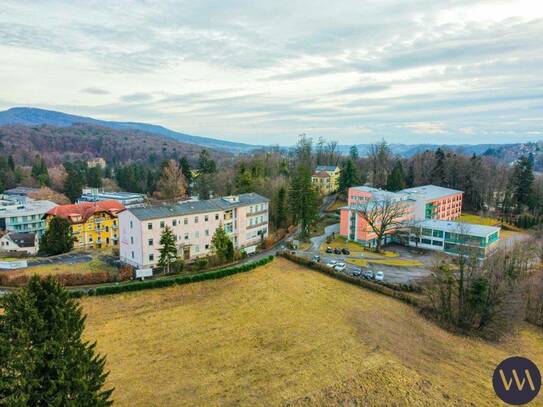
[84,141]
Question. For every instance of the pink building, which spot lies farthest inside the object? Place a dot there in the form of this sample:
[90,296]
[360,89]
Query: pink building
[425,202]
[244,217]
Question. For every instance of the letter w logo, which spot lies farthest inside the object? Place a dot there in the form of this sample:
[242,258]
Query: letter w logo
[520,384]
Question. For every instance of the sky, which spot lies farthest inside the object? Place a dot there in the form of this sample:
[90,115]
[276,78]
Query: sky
[263,72]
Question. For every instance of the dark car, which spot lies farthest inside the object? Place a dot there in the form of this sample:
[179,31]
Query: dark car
[337,251]
[329,250]
[345,251]
[356,273]
[368,275]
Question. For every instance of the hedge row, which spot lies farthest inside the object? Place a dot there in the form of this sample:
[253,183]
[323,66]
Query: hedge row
[386,289]
[168,282]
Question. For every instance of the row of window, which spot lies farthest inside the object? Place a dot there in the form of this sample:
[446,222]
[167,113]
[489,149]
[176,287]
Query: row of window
[257,208]
[15,219]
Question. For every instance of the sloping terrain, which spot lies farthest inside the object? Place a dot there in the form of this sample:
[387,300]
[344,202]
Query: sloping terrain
[30,116]
[285,335]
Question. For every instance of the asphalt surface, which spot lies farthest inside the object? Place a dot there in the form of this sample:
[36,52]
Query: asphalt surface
[67,258]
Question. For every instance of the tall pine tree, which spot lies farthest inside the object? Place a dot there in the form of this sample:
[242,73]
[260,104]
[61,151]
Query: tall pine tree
[58,238]
[43,359]
[396,179]
[168,250]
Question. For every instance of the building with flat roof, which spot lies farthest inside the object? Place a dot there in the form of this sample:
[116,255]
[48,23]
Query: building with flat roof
[434,202]
[20,191]
[454,237]
[128,199]
[244,218]
[21,214]
[424,202]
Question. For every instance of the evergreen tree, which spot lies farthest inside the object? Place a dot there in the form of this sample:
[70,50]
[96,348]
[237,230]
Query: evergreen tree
[348,176]
[186,170]
[396,179]
[73,184]
[438,172]
[94,177]
[58,238]
[221,245]
[205,163]
[303,199]
[168,250]
[39,171]
[281,208]
[11,163]
[353,152]
[43,359]
[523,181]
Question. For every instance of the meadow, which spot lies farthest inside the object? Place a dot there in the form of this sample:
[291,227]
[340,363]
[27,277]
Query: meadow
[285,335]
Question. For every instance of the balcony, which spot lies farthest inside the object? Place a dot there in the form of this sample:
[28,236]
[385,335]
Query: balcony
[256,225]
[254,213]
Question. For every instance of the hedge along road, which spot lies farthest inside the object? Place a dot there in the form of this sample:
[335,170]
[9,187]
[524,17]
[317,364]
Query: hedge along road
[169,281]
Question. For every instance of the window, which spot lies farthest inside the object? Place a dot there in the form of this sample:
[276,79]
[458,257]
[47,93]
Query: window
[131,240]
[196,234]
[186,236]
[206,218]
[186,221]
[207,232]
[174,222]
[151,257]
[132,254]
[161,224]
[150,241]
[196,219]
[437,243]
[196,249]
[426,241]
[216,216]
[207,247]
[149,226]
[131,225]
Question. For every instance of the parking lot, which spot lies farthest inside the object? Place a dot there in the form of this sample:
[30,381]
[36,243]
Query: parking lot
[391,274]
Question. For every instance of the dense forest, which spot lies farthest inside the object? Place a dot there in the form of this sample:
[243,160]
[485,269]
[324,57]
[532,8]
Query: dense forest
[56,159]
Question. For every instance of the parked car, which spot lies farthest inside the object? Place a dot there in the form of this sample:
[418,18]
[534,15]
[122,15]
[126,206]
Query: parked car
[331,263]
[345,251]
[379,276]
[356,273]
[340,266]
[317,258]
[337,250]
[329,250]
[368,275]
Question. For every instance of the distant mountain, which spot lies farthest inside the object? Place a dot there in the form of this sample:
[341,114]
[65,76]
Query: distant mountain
[409,150]
[31,116]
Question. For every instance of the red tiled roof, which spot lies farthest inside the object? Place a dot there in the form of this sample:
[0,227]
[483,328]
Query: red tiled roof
[321,174]
[86,209]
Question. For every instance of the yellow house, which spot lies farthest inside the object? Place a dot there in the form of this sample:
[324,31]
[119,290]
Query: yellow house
[326,179]
[94,224]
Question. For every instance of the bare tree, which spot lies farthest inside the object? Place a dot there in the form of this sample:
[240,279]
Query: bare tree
[384,213]
[172,185]
[380,158]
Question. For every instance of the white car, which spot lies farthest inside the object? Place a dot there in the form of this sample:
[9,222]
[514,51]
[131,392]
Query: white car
[379,276]
[340,266]
[331,263]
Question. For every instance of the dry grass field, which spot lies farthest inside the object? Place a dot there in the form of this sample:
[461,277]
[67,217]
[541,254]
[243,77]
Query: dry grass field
[285,335]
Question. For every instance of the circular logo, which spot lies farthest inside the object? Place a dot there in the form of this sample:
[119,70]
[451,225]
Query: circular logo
[516,380]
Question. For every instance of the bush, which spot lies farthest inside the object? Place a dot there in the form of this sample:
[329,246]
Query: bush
[15,279]
[168,282]
[202,263]
[177,266]
[126,272]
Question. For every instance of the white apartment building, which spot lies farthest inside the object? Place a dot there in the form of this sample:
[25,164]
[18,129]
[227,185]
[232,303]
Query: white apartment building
[23,215]
[244,217]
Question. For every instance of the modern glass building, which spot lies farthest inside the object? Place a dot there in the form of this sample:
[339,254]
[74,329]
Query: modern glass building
[20,214]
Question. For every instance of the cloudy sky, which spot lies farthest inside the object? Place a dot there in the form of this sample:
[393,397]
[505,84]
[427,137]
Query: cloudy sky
[265,71]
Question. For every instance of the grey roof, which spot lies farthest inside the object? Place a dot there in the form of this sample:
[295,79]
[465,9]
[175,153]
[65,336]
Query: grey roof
[20,191]
[23,239]
[193,207]
[326,167]
[457,227]
[431,192]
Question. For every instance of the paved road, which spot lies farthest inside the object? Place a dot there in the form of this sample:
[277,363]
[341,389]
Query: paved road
[67,258]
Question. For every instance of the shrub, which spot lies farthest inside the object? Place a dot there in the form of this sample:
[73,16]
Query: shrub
[202,263]
[126,272]
[177,266]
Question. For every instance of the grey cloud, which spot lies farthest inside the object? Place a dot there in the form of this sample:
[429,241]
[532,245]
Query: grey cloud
[95,91]
[137,97]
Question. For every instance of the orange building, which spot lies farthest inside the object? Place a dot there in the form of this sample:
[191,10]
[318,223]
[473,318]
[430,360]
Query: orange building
[93,224]
[425,202]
